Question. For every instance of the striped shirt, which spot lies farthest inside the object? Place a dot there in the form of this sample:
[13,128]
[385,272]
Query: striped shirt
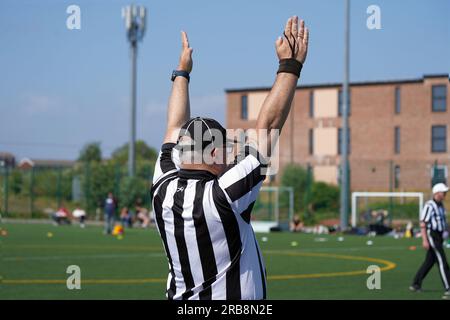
[433,215]
[204,224]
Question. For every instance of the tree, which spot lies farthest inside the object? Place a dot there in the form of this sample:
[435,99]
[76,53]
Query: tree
[91,152]
[16,181]
[135,189]
[296,176]
[97,179]
[325,197]
[143,153]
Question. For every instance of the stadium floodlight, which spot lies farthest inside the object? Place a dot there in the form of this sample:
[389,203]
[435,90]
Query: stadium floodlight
[356,195]
[135,24]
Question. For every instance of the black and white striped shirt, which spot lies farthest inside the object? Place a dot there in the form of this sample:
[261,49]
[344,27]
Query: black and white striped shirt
[433,214]
[204,223]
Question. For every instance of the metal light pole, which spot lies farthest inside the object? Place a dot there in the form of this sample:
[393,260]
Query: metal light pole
[344,151]
[135,24]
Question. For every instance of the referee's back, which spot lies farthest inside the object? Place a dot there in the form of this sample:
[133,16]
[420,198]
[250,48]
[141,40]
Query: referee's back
[204,223]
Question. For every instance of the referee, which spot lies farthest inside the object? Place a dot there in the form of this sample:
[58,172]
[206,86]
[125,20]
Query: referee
[433,224]
[202,205]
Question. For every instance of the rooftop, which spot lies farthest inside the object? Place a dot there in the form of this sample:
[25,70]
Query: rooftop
[354,84]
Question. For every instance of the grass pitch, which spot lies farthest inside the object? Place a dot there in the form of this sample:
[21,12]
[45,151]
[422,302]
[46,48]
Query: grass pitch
[35,258]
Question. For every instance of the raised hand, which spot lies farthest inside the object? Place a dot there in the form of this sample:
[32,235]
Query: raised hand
[185,62]
[294,43]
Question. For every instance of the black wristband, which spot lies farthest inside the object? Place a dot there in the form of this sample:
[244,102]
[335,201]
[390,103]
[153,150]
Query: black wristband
[290,66]
[180,73]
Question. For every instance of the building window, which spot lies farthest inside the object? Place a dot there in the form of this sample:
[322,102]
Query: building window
[340,101]
[396,177]
[244,108]
[397,100]
[439,139]
[439,98]
[397,140]
[340,132]
[311,141]
[439,174]
[311,104]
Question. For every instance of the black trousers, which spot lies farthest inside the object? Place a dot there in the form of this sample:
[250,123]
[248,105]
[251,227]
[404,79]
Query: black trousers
[435,254]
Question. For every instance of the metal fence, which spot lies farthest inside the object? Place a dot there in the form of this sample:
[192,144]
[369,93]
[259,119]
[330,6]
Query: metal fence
[37,192]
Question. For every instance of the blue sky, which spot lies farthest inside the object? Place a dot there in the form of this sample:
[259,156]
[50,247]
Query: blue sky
[60,88]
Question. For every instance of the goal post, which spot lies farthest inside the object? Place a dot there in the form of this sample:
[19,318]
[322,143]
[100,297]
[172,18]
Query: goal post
[274,207]
[356,195]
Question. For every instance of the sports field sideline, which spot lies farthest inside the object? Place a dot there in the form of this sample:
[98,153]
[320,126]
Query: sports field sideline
[299,266]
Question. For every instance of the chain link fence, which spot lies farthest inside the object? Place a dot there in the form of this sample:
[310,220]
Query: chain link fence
[37,192]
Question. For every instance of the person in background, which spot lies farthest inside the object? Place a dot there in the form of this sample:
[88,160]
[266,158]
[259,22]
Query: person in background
[126,218]
[109,209]
[79,214]
[433,226]
[62,216]
[143,216]
[296,224]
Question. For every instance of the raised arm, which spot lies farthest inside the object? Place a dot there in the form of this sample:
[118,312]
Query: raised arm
[179,109]
[291,51]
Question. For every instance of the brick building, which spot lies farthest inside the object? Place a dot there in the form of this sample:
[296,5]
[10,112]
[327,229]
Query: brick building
[398,131]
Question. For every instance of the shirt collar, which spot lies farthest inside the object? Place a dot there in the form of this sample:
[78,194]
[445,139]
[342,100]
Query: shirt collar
[196,174]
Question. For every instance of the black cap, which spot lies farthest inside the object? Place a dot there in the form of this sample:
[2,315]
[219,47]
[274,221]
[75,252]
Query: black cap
[203,132]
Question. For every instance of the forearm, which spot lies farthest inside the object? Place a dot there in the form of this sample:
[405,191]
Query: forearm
[423,231]
[178,110]
[277,105]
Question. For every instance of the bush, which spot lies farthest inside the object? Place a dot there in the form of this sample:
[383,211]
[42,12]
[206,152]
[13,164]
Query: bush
[296,176]
[325,197]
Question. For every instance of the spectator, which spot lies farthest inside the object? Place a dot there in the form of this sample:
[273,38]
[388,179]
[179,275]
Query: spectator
[409,233]
[296,224]
[110,209]
[126,217]
[62,216]
[79,214]
[142,216]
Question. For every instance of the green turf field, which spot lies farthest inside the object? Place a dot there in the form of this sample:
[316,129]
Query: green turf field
[33,265]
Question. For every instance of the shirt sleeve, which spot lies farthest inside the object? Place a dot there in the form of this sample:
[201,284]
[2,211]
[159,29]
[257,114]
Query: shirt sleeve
[242,181]
[167,164]
[426,213]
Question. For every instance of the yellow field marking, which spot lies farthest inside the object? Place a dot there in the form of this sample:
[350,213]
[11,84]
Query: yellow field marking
[388,265]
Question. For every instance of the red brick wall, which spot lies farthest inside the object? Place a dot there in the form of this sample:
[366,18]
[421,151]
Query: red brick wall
[372,122]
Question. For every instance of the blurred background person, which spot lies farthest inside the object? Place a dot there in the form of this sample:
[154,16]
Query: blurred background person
[143,216]
[296,224]
[79,214]
[110,209]
[61,216]
[126,218]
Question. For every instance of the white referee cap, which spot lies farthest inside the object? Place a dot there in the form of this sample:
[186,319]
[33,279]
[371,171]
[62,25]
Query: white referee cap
[439,187]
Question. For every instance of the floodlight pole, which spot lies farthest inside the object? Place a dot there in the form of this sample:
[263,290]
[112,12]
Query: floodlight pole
[135,17]
[131,146]
[344,151]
